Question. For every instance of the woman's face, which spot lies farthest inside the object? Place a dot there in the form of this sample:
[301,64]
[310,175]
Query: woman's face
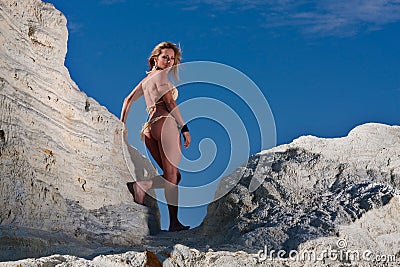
[166,59]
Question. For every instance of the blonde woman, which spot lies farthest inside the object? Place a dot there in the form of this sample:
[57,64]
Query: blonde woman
[161,133]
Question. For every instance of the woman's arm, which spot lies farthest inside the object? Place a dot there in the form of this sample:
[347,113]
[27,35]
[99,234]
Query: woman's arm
[132,97]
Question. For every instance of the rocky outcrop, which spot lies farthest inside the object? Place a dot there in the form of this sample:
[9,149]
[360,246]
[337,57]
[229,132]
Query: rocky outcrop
[62,167]
[63,178]
[367,241]
[313,189]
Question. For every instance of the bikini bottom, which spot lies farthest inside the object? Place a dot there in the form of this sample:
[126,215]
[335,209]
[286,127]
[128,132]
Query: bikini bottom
[146,128]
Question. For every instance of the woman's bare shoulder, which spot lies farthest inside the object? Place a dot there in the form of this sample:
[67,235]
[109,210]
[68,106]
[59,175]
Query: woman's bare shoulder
[155,78]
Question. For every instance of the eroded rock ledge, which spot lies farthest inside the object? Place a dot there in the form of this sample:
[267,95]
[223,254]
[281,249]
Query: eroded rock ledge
[62,169]
[63,175]
[311,197]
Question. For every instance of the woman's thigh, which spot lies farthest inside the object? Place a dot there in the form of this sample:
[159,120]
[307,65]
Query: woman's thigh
[166,133]
[152,146]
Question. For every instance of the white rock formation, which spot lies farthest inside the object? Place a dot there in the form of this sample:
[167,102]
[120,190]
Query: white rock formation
[63,180]
[62,167]
[314,188]
[371,245]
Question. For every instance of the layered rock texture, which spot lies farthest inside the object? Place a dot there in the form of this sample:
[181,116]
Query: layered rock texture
[63,174]
[320,202]
[315,193]
[62,166]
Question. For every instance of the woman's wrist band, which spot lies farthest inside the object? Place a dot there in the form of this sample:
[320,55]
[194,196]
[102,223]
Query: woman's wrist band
[184,128]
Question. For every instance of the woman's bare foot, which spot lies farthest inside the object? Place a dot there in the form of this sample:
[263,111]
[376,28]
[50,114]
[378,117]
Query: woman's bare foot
[178,227]
[137,192]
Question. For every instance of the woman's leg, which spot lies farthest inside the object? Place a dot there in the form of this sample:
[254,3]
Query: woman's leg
[140,188]
[152,146]
[168,138]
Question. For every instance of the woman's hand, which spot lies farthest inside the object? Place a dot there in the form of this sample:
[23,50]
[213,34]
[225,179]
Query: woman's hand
[187,138]
[125,131]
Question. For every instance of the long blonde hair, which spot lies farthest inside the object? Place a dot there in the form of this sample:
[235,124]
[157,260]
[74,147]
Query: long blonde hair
[157,51]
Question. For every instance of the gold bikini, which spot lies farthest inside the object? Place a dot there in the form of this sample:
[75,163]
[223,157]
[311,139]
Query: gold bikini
[146,128]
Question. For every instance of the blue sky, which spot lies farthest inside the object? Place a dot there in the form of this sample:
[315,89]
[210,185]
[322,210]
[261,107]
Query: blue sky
[323,66]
